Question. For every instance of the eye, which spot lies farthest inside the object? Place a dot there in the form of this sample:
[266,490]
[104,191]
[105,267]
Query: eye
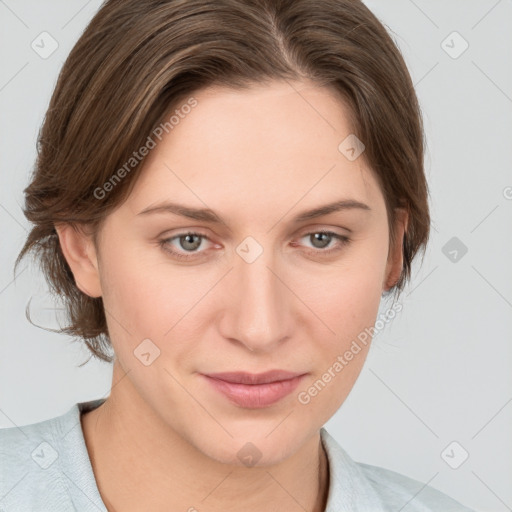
[188,242]
[186,246]
[322,239]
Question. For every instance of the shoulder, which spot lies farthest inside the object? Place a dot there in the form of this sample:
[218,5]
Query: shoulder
[29,454]
[40,464]
[375,488]
[38,443]
[397,490]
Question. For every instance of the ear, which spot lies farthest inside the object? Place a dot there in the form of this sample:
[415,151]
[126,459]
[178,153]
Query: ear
[80,253]
[395,254]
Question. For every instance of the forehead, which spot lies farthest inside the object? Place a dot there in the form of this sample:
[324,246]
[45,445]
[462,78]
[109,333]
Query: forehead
[264,149]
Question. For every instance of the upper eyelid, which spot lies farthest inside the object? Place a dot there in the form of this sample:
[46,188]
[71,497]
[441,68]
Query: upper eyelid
[304,232]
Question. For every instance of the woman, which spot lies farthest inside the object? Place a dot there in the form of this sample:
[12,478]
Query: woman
[224,191]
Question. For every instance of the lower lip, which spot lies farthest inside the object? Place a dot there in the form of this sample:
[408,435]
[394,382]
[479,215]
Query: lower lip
[255,396]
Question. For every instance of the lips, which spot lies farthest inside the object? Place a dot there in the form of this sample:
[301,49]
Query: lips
[254,391]
[254,378]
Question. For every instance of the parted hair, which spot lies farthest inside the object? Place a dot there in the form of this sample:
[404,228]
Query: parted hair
[137,60]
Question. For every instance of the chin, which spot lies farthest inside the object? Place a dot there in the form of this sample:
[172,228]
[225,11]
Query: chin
[255,447]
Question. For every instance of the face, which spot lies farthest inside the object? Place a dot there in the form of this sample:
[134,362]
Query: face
[263,287]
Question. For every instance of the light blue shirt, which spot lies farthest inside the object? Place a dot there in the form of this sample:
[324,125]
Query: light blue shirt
[45,467]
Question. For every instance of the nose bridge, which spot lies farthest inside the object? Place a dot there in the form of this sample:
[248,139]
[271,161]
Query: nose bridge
[260,297]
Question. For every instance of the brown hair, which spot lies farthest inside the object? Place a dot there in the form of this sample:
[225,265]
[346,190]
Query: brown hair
[138,59]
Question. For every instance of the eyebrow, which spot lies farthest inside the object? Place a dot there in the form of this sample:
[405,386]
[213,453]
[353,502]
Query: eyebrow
[208,215]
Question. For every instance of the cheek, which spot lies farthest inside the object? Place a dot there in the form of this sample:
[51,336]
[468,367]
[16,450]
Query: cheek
[347,295]
[135,295]
[148,297]
[349,305]
[340,357]
[350,311]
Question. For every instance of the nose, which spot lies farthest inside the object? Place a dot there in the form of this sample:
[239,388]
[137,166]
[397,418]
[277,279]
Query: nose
[257,312]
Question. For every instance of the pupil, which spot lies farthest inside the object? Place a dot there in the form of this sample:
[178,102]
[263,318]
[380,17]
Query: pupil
[317,236]
[187,240]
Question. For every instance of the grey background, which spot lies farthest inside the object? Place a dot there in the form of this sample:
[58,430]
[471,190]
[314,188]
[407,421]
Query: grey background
[440,371]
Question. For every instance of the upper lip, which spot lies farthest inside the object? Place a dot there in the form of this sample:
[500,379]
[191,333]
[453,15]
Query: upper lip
[254,378]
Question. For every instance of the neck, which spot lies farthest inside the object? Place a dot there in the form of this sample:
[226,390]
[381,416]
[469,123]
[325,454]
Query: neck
[140,463]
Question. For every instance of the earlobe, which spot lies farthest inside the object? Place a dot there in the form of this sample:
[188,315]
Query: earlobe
[395,260]
[80,253]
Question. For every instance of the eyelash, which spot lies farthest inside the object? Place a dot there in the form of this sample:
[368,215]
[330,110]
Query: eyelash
[343,241]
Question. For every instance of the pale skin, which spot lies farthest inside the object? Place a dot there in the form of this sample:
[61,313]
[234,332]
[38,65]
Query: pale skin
[164,440]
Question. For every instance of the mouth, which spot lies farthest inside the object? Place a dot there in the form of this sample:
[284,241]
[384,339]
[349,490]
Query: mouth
[255,391]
